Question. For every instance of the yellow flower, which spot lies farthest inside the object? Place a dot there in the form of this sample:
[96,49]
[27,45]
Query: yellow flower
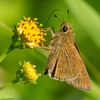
[27,73]
[29,34]
[30,72]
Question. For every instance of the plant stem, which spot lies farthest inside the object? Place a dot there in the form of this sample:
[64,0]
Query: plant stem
[8,84]
[6,52]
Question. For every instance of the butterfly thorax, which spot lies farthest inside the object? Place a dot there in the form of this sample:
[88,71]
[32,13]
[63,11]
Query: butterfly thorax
[64,36]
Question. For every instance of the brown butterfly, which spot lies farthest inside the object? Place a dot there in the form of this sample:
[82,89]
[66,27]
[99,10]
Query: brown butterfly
[64,62]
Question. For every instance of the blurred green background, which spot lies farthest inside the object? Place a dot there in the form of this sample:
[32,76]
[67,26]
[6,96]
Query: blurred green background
[85,18]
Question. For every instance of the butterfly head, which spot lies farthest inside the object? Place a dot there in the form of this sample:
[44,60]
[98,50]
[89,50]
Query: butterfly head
[66,27]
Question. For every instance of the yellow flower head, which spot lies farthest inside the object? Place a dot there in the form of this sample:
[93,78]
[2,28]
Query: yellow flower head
[30,72]
[27,73]
[29,33]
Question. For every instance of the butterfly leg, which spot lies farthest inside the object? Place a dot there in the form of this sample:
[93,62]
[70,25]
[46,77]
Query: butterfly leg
[52,31]
[48,48]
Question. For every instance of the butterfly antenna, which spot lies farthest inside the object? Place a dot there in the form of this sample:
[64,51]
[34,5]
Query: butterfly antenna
[58,18]
[52,13]
[68,15]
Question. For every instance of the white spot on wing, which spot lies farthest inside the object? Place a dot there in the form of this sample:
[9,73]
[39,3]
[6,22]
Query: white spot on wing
[61,68]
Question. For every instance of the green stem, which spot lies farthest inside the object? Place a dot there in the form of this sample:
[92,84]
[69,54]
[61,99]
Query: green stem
[8,84]
[6,52]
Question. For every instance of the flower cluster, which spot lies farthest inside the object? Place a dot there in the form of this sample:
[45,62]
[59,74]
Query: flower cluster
[27,73]
[24,75]
[29,34]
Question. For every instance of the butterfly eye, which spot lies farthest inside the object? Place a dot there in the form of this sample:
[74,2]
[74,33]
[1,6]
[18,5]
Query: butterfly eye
[65,29]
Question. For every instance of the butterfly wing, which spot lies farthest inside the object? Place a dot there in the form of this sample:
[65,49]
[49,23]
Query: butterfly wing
[51,61]
[82,80]
[65,64]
